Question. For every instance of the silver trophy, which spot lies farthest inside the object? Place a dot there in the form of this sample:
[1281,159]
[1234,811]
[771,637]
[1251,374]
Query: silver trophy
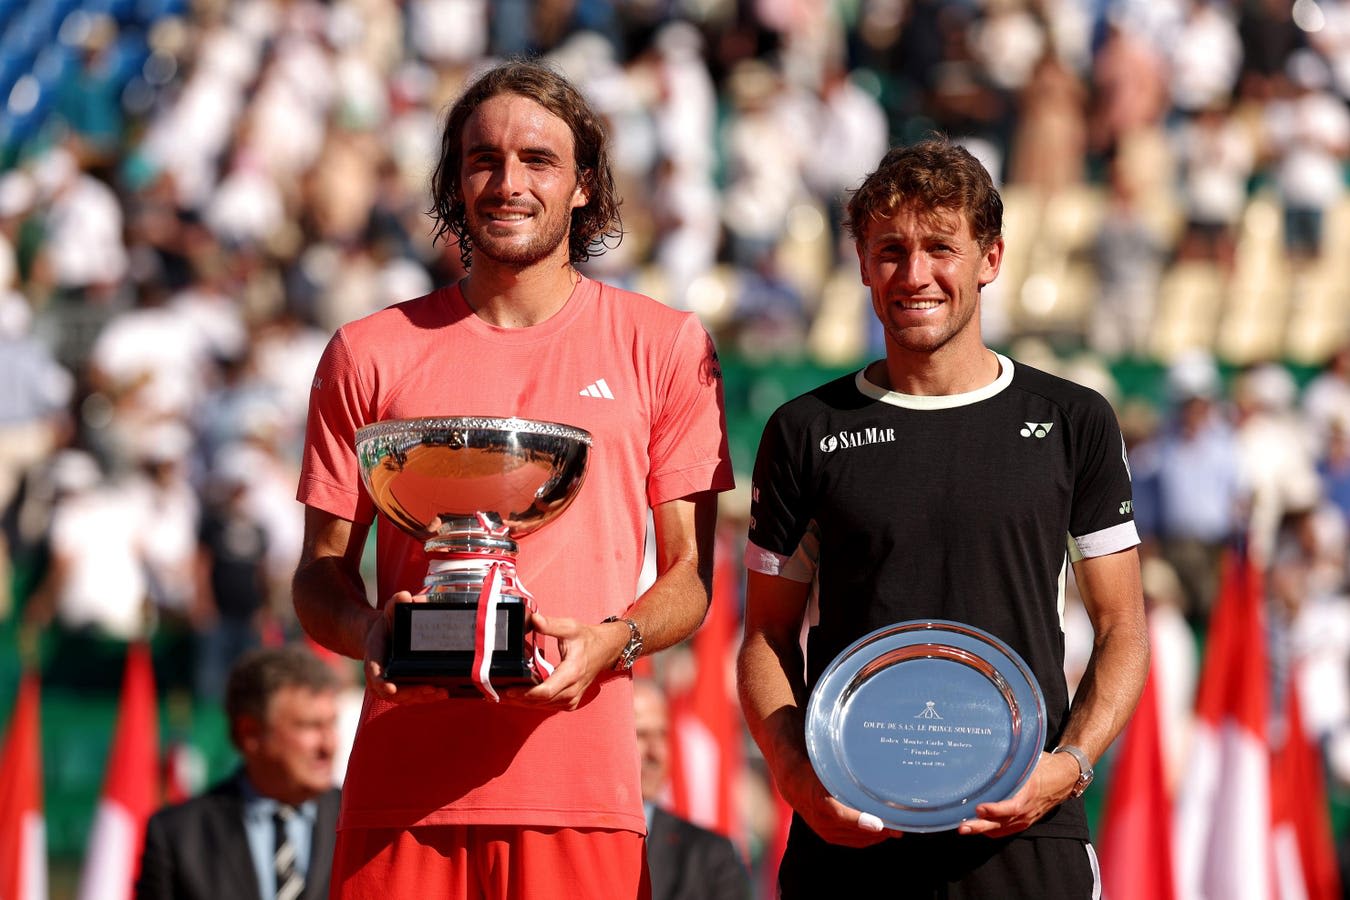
[469,487]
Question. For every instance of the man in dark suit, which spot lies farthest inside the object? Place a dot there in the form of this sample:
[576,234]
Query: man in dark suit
[268,830]
[686,862]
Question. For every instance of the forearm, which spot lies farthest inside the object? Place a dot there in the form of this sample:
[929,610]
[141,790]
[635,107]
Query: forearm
[331,606]
[672,608]
[677,602]
[772,694]
[1110,687]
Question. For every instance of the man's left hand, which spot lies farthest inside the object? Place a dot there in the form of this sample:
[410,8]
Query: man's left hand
[1049,785]
[586,651]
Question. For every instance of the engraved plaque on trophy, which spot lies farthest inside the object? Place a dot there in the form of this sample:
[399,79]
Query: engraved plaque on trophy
[920,722]
[469,487]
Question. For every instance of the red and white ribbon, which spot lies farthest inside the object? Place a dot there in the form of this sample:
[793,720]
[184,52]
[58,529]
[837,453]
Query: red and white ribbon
[485,631]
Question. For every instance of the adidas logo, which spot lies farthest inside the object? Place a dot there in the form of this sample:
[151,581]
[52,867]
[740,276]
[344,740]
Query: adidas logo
[1036,429]
[599,389]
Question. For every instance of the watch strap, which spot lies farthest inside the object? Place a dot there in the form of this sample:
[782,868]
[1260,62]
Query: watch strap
[1084,767]
[630,652]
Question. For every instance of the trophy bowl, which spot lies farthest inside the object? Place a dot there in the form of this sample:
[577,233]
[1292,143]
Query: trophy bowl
[468,487]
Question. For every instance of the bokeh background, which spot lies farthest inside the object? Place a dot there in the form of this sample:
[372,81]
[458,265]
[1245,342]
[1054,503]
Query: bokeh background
[196,193]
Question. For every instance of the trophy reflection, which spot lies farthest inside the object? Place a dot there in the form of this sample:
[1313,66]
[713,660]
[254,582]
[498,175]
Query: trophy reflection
[469,487]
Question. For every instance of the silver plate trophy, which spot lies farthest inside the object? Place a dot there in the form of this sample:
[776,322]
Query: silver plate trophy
[920,722]
[469,487]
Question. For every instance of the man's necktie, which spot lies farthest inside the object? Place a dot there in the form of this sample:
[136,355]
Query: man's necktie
[289,882]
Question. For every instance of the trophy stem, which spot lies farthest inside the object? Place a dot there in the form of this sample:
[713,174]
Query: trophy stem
[475,564]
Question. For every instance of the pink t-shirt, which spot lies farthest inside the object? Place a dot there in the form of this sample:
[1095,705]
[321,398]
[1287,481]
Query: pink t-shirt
[643,379]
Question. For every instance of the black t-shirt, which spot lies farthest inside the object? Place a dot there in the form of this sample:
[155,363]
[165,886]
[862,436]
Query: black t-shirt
[966,507]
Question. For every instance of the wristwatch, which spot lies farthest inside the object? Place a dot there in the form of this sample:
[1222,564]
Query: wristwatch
[1084,767]
[630,652]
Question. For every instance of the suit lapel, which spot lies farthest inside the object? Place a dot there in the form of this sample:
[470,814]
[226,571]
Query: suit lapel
[233,863]
[661,853]
[321,847]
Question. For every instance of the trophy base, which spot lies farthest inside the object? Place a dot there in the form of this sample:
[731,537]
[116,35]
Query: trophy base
[433,644]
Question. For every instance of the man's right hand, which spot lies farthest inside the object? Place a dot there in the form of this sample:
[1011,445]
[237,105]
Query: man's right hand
[377,649]
[832,820]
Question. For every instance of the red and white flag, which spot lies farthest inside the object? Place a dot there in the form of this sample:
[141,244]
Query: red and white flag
[1301,836]
[777,844]
[130,787]
[705,720]
[1136,833]
[23,830]
[1223,808]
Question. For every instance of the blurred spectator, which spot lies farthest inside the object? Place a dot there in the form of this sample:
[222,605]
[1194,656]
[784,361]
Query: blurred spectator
[1129,87]
[149,365]
[34,394]
[962,99]
[82,220]
[168,515]
[1189,496]
[94,589]
[686,227]
[1309,612]
[769,317]
[1049,149]
[1128,254]
[268,830]
[851,135]
[1326,399]
[89,96]
[685,108]
[1276,453]
[232,596]
[686,862]
[1269,38]
[1206,57]
[455,31]
[1309,129]
[1333,466]
[761,187]
[1216,156]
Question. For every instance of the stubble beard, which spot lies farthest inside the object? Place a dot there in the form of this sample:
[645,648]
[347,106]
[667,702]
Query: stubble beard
[931,338]
[519,255]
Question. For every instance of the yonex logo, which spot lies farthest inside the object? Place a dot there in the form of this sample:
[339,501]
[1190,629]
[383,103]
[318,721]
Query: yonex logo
[598,388]
[1127,507]
[1037,429]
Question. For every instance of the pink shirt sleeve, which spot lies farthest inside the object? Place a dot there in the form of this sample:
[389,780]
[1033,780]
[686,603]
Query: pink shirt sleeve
[688,451]
[329,477]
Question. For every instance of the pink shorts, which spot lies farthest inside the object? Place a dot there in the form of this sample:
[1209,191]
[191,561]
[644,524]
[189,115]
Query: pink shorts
[489,862]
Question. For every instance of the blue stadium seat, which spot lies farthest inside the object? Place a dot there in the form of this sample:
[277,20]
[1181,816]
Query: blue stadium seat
[154,10]
[12,66]
[53,64]
[9,9]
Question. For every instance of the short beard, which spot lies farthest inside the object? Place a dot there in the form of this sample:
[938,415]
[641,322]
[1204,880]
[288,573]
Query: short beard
[540,247]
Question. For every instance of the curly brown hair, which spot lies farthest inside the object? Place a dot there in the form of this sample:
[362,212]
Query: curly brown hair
[593,224]
[932,174]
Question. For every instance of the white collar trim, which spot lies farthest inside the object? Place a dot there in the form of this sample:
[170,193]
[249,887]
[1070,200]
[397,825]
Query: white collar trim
[941,401]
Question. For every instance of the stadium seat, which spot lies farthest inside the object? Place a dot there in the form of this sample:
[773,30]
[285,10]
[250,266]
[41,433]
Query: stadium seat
[1188,309]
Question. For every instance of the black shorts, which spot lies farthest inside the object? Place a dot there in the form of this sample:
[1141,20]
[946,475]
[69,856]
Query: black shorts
[942,866]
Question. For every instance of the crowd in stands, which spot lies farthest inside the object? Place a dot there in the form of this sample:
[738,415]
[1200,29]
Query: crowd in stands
[178,241]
